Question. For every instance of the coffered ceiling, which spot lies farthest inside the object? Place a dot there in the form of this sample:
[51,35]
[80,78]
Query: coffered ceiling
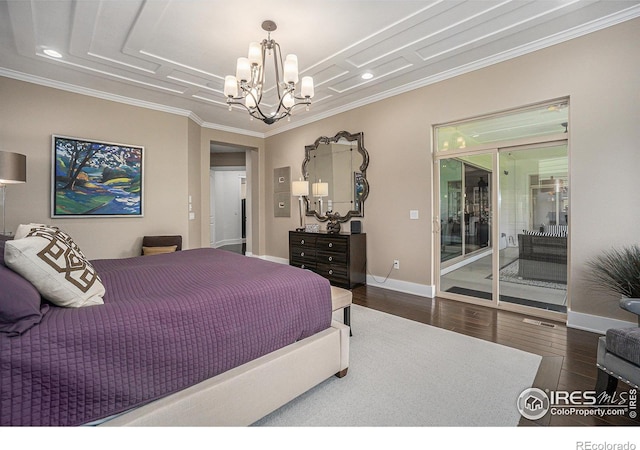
[173,55]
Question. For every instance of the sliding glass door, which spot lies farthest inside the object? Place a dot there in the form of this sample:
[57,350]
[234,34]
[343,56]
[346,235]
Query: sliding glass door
[502,193]
[465,224]
[534,226]
[516,252]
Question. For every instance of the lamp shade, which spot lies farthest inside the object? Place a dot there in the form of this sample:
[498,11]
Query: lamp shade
[300,188]
[291,69]
[307,90]
[320,189]
[255,54]
[230,86]
[243,69]
[13,168]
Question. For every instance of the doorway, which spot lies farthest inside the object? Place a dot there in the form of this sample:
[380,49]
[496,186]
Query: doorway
[228,227]
[503,224]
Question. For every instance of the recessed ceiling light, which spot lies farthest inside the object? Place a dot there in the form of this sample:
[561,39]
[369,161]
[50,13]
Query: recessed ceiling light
[52,53]
[367,76]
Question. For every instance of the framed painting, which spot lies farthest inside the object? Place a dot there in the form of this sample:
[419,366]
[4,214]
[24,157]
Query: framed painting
[96,179]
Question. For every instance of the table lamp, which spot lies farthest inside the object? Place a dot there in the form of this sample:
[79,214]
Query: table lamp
[13,169]
[320,190]
[300,189]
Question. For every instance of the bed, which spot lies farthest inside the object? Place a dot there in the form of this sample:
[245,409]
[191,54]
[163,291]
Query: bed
[197,337]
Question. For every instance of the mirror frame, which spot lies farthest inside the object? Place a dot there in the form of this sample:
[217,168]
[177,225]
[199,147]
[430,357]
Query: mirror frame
[357,137]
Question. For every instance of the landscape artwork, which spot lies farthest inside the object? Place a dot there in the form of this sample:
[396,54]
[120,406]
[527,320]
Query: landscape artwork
[96,179]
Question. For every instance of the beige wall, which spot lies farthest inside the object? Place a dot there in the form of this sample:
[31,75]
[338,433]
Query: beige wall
[176,166]
[195,183]
[601,74]
[30,114]
[228,159]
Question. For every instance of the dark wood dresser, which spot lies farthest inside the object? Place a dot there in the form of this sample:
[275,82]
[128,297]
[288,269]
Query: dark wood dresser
[339,257]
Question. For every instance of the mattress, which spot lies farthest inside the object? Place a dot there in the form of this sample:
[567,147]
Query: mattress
[168,322]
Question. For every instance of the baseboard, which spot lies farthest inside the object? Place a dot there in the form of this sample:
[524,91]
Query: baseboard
[580,321]
[228,242]
[274,259]
[595,324]
[422,290]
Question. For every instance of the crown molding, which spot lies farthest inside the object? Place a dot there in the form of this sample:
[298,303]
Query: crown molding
[122,99]
[215,126]
[596,25]
[92,92]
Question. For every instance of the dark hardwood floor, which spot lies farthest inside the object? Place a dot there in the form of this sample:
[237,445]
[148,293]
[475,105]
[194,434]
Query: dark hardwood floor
[569,355]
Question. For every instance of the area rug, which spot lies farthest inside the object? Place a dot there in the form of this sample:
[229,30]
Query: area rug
[405,373]
[509,273]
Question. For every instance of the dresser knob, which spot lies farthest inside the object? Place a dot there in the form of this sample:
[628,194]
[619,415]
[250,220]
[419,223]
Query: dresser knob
[330,258]
[302,241]
[330,272]
[301,253]
[302,266]
[330,244]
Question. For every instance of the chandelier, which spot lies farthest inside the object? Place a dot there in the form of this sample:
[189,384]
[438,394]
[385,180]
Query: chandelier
[247,86]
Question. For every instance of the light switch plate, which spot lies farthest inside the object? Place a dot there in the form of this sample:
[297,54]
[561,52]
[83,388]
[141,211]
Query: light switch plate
[413,214]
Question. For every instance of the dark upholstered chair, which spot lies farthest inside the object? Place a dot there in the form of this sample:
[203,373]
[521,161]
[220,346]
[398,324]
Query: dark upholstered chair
[161,241]
[619,354]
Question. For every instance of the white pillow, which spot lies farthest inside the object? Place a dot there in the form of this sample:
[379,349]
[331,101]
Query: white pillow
[25,228]
[54,264]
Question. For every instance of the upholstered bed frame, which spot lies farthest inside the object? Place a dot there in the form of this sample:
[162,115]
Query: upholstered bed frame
[245,394]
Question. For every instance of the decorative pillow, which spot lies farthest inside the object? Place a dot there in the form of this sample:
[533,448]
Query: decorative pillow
[20,303]
[544,233]
[25,228]
[159,250]
[3,239]
[53,263]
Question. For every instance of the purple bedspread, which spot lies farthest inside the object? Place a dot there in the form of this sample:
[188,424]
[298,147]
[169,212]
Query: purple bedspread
[168,322]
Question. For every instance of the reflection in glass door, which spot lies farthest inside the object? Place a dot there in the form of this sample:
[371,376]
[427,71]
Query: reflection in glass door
[534,225]
[465,225]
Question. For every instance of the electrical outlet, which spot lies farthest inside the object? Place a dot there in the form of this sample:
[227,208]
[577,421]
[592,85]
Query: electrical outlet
[396,264]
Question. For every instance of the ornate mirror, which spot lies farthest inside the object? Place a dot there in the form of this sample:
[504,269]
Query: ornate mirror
[336,169]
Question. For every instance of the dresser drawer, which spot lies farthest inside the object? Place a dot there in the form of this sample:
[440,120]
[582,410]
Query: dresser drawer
[332,244]
[303,264]
[336,273]
[304,259]
[303,252]
[303,240]
[326,257]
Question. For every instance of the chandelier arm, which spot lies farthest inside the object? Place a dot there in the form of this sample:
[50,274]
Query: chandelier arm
[258,114]
[259,86]
[277,54]
[255,112]
[249,91]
